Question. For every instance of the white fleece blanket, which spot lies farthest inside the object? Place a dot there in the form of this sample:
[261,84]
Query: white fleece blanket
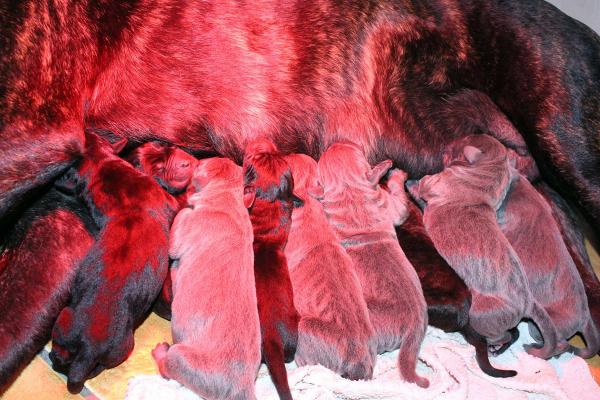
[447,361]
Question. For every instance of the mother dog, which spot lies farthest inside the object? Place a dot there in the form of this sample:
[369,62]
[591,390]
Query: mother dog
[209,75]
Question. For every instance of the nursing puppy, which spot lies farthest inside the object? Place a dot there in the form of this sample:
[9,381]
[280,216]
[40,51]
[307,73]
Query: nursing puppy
[172,168]
[268,187]
[570,224]
[334,330]
[122,274]
[40,256]
[460,219]
[215,325]
[527,222]
[448,298]
[357,210]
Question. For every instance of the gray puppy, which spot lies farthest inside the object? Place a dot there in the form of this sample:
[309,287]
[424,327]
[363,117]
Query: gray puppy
[460,217]
[335,330]
[527,222]
[215,322]
[357,209]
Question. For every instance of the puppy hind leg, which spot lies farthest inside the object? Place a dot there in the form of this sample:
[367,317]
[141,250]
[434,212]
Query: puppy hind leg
[359,362]
[328,344]
[196,371]
[548,330]
[115,358]
[80,370]
[160,354]
[513,335]
[316,344]
[592,341]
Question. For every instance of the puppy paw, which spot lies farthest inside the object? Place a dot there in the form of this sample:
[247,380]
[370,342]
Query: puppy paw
[160,351]
[160,355]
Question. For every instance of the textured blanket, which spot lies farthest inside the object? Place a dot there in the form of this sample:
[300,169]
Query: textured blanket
[446,359]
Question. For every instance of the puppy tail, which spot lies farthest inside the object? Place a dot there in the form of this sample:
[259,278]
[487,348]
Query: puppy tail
[274,358]
[548,330]
[407,358]
[592,340]
[481,354]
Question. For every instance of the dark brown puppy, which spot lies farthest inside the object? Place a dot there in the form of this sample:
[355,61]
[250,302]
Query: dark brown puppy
[40,256]
[268,187]
[448,298]
[304,73]
[173,169]
[122,274]
[170,166]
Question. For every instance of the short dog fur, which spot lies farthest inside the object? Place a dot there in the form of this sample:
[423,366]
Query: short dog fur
[122,274]
[527,222]
[40,257]
[173,169]
[448,298]
[460,218]
[214,321]
[335,330]
[357,210]
[268,195]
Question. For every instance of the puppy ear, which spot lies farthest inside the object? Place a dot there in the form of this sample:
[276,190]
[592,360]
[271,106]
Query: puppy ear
[378,171]
[249,195]
[119,145]
[472,154]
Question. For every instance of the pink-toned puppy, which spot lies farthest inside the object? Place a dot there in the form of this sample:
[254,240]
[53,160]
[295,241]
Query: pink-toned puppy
[334,330]
[214,312]
[357,210]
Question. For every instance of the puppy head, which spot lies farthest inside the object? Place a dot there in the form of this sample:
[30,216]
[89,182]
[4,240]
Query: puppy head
[169,165]
[345,163]
[267,176]
[306,179]
[215,170]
